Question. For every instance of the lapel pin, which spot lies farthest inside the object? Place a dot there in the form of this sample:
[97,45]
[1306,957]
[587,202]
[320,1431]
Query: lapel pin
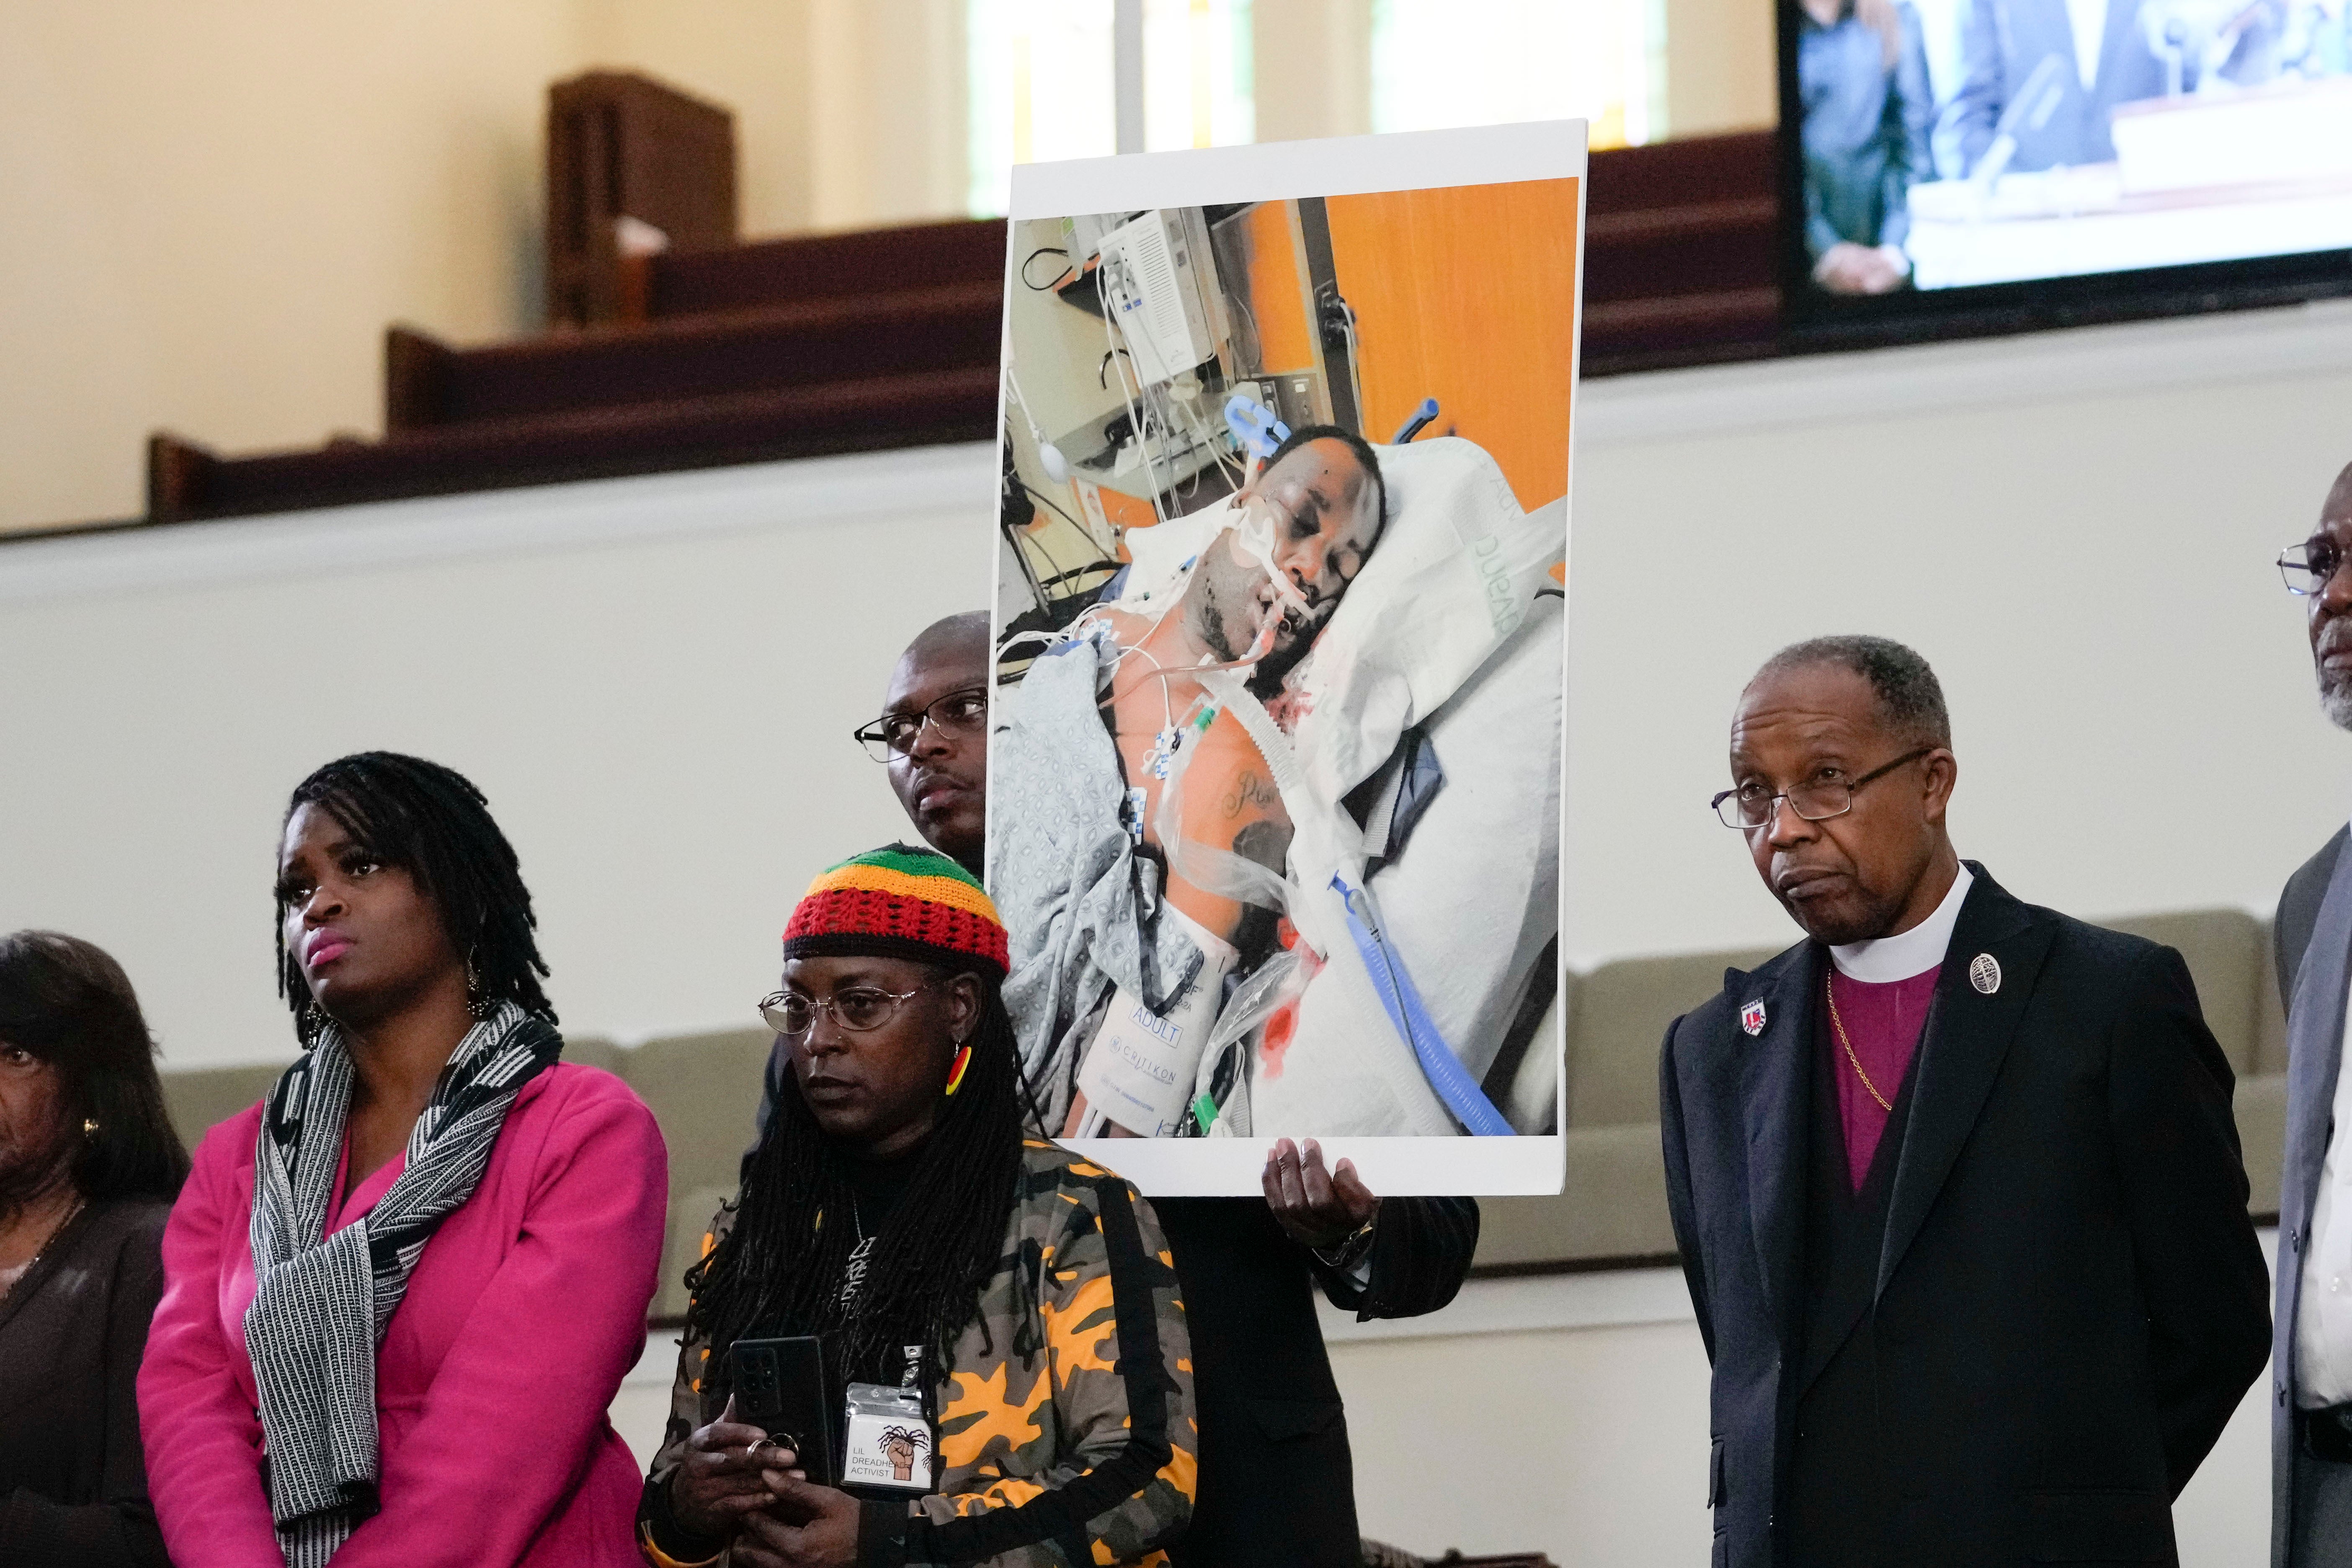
[1984,972]
[1751,1016]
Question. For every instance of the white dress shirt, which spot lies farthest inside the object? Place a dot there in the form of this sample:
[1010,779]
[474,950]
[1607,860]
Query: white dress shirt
[2322,1320]
[2089,19]
[1910,953]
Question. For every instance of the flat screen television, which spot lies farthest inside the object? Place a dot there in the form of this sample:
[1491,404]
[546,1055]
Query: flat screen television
[1959,165]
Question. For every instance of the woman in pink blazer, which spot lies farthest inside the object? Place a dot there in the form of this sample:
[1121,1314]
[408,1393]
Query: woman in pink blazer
[400,1293]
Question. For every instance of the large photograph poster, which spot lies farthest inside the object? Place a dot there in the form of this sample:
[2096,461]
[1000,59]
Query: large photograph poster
[1275,744]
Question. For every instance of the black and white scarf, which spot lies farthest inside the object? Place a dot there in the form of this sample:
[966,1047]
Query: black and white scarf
[322,1302]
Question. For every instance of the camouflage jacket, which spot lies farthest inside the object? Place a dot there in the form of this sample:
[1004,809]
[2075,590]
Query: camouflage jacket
[1066,1429]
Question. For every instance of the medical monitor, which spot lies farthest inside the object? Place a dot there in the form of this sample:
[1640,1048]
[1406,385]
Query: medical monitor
[1978,164]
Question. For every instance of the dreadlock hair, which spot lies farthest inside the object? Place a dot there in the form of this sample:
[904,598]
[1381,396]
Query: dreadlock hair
[434,823]
[779,1270]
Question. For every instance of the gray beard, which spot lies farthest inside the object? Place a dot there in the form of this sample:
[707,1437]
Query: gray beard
[2336,702]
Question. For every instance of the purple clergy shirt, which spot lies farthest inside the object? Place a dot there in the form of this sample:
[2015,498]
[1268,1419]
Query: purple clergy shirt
[1883,1024]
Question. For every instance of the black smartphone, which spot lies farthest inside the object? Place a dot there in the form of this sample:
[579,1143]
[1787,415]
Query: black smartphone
[781,1387]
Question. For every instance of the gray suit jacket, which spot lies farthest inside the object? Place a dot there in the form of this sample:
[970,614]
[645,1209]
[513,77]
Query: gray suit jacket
[2314,938]
[2001,43]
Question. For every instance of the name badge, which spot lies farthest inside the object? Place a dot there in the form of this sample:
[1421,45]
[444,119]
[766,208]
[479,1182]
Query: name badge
[889,1439]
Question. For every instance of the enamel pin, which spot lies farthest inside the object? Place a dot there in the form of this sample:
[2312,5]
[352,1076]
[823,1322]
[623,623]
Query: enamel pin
[1984,972]
[1751,1016]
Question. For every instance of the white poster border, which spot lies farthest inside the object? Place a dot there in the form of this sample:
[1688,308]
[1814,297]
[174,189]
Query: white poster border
[1281,171]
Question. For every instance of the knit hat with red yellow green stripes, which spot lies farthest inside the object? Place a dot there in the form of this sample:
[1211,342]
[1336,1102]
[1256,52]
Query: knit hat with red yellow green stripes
[899,902]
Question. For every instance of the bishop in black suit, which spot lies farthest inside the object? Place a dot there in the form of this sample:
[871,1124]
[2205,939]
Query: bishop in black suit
[1997,1309]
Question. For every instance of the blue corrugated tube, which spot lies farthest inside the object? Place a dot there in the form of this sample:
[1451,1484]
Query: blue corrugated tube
[1454,1087]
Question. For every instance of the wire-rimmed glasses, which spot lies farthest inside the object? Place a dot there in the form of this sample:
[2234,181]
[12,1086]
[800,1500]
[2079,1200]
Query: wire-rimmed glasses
[1750,805]
[856,1008]
[959,714]
[2307,568]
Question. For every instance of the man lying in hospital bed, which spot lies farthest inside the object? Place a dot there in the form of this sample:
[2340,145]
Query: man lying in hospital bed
[1249,898]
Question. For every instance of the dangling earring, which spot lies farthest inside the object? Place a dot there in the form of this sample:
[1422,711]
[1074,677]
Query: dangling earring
[314,1018]
[955,1072]
[477,1004]
[89,1127]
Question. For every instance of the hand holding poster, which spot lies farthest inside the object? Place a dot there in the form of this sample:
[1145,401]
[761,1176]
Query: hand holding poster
[1275,756]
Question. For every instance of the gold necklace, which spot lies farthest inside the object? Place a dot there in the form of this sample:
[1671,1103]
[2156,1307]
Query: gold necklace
[1829,989]
[46,1242]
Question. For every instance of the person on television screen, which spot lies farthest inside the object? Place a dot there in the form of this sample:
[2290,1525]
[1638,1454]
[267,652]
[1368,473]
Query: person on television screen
[1862,72]
[2311,1344]
[1955,1180]
[2040,81]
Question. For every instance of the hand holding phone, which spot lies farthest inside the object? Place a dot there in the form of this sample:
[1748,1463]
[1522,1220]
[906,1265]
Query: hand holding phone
[781,1387]
[720,1481]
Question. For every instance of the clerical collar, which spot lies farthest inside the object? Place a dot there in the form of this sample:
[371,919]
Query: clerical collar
[1907,953]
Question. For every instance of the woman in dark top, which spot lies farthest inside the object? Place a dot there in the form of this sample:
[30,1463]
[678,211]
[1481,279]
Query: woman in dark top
[89,1167]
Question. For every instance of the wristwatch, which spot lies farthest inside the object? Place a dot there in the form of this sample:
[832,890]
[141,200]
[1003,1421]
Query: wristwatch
[1352,1249]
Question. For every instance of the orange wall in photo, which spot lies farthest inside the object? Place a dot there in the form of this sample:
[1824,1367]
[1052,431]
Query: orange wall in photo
[1276,296]
[1468,295]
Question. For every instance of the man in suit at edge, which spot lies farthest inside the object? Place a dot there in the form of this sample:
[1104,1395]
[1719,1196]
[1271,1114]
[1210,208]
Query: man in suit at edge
[1955,1180]
[1276,1485]
[2311,1344]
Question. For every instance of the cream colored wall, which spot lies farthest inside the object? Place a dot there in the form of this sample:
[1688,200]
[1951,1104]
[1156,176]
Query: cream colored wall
[212,211]
[1719,67]
[1313,64]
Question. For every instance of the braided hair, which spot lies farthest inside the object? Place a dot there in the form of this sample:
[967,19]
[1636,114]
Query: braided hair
[779,1269]
[434,823]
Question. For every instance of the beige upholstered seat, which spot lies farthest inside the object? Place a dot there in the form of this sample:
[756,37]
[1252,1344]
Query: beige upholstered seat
[201,1098]
[704,1090]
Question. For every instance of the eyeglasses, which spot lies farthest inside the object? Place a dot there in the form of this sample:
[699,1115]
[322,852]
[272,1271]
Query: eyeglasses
[1749,807]
[959,714]
[2310,566]
[857,1009]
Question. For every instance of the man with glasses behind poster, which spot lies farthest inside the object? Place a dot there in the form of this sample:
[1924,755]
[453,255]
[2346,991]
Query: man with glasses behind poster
[2310,1334]
[1955,1181]
[1277,1482]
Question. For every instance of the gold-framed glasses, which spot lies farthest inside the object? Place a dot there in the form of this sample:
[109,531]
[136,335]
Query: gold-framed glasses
[855,1008]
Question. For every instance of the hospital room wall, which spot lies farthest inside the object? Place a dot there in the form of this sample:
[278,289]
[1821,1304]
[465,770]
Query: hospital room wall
[655,678]
[1466,294]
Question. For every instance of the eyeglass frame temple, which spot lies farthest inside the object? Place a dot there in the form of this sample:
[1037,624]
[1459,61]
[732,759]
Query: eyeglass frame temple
[1773,804]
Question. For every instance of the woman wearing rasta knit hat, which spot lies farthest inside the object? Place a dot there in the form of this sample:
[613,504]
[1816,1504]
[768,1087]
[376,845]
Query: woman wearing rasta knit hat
[893,1209]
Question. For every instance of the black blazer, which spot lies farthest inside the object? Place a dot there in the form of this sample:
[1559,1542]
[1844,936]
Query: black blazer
[1277,1484]
[2070,1298]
